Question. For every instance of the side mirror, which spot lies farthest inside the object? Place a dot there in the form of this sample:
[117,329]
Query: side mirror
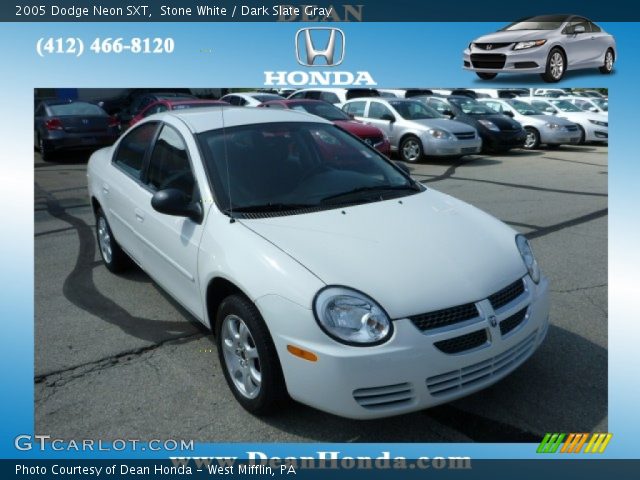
[578,29]
[448,113]
[388,117]
[351,116]
[593,109]
[508,113]
[174,202]
[403,166]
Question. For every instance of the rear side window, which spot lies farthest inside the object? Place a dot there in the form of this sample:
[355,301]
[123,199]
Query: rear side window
[378,110]
[132,149]
[329,97]
[355,108]
[313,94]
[169,165]
[594,28]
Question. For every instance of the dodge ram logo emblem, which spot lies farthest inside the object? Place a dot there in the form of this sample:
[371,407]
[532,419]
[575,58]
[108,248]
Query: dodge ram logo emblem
[493,321]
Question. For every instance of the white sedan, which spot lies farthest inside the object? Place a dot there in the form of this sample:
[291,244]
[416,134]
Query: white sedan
[325,272]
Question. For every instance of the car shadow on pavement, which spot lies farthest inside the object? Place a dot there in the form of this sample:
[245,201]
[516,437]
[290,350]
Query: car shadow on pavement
[562,387]
[533,79]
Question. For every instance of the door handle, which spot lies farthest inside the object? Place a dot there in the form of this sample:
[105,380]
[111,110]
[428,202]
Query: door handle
[139,215]
[105,188]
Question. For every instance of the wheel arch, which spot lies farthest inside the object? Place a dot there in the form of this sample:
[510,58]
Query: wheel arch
[219,288]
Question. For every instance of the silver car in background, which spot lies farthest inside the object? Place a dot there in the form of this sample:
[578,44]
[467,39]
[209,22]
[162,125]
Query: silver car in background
[589,104]
[541,129]
[415,129]
[545,44]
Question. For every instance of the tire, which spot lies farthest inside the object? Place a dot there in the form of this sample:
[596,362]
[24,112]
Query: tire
[112,255]
[411,150]
[486,76]
[533,139]
[248,357]
[45,154]
[609,58]
[582,139]
[556,66]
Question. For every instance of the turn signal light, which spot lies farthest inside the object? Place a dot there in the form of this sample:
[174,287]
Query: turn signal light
[304,354]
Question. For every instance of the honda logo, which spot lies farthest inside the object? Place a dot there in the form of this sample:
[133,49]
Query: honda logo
[489,47]
[312,44]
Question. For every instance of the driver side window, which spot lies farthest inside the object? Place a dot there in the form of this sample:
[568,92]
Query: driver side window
[378,110]
[169,165]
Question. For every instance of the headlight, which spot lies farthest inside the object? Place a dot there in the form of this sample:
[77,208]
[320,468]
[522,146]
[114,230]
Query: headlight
[437,133]
[470,45]
[553,126]
[490,125]
[599,123]
[527,257]
[351,317]
[529,44]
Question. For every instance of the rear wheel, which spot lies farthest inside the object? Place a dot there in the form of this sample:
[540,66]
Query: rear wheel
[248,357]
[607,67]
[45,154]
[112,255]
[533,138]
[486,76]
[411,149]
[556,66]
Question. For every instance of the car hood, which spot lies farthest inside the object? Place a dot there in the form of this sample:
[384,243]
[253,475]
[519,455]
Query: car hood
[416,254]
[358,129]
[444,124]
[514,36]
[582,116]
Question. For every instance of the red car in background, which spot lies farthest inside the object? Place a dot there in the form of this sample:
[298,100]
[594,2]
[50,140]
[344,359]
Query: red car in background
[168,104]
[370,134]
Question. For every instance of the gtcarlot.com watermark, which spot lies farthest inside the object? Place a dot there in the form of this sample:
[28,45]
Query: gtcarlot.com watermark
[259,462]
[45,443]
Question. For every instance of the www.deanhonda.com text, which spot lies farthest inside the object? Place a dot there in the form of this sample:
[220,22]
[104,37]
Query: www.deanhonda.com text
[322,460]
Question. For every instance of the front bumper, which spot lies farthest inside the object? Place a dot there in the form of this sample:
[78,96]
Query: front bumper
[434,147]
[506,60]
[408,372]
[555,136]
[504,139]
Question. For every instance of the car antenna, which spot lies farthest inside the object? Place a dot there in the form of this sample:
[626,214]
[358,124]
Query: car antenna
[226,161]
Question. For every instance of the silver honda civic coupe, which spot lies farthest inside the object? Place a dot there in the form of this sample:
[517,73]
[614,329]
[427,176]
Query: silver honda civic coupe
[546,44]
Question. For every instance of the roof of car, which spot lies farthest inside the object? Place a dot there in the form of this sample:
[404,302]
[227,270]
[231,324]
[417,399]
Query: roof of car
[204,119]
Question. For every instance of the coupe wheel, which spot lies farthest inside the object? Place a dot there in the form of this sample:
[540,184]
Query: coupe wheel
[533,138]
[45,153]
[556,66]
[411,149]
[486,76]
[248,356]
[112,255]
[608,62]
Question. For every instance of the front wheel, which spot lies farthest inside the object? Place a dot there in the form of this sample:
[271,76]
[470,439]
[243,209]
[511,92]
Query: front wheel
[411,149]
[607,67]
[556,66]
[582,138]
[533,139]
[486,76]
[248,357]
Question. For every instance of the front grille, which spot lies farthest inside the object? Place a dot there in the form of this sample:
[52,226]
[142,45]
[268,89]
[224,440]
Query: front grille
[447,316]
[463,343]
[488,60]
[571,128]
[513,321]
[465,135]
[507,294]
[481,372]
[384,396]
[374,140]
[491,46]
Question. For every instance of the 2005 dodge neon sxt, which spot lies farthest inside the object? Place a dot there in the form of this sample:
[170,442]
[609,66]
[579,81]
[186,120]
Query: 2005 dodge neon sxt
[326,273]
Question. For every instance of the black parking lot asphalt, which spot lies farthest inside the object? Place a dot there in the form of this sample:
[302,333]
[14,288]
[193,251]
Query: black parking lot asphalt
[115,357]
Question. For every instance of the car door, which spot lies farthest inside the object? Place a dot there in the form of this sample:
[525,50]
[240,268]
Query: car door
[601,43]
[171,243]
[578,46]
[124,192]
[379,115]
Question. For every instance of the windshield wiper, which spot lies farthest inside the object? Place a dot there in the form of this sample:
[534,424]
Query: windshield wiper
[368,191]
[270,207]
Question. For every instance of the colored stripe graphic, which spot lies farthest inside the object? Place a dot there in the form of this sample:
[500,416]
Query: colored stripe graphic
[573,442]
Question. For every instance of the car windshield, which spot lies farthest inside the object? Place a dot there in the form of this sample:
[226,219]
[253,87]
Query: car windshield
[542,22]
[471,107]
[284,167]
[267,97]
[76,108]
[524,108]
[564,106]
[322,109]
[414,110]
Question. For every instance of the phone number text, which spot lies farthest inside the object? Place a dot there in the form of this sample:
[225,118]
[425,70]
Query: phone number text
[109,45]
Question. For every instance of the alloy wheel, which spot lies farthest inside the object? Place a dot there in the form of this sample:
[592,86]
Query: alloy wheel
[104,239]
[411,150]
[241,357]
[530,140]
[557,65]
[608,61]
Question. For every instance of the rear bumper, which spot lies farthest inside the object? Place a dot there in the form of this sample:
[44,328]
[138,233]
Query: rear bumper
[57,141]
[505,60]
[407,373]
